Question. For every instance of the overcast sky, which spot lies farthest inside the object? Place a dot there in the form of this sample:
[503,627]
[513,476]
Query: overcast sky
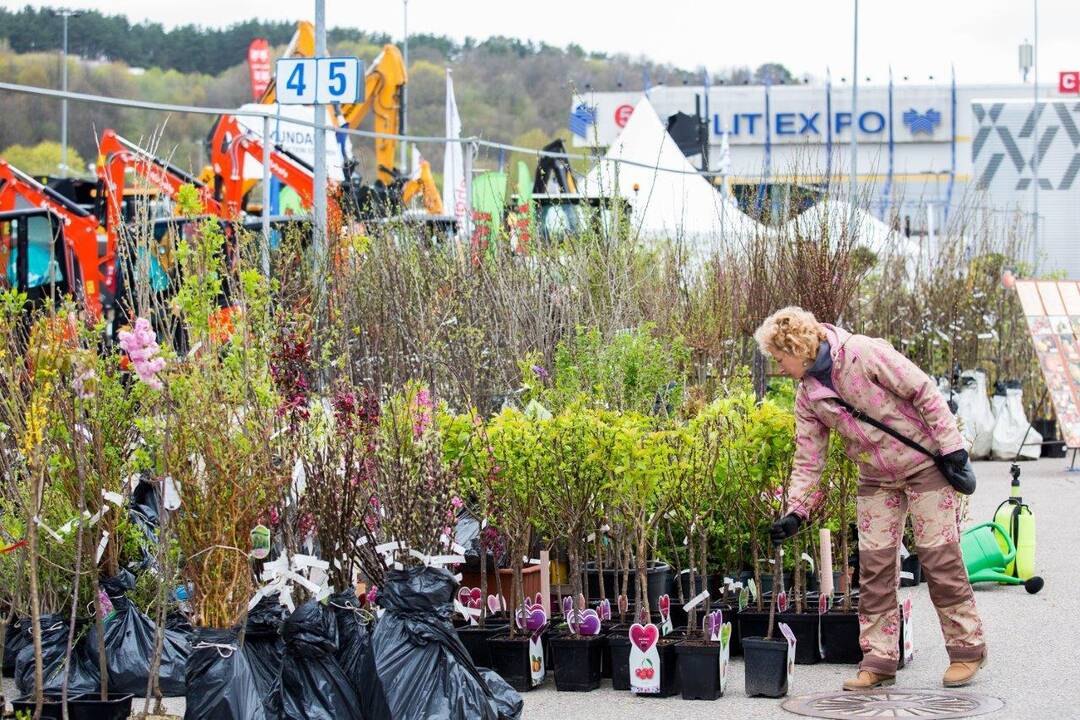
[917,37]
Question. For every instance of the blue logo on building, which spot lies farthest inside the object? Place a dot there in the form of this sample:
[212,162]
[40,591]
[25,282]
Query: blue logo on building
[581,119]
[922,122]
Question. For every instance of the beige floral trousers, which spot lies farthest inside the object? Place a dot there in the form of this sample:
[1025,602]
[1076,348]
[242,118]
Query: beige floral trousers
[882,511]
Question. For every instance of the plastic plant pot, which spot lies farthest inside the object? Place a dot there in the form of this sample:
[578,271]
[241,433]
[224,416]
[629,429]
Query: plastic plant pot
[92,707]
[577,667]
[51,708]
[840,637]
[765,662]
[475,638]
[619,645]
[699,670]
[510,659]
[805,627]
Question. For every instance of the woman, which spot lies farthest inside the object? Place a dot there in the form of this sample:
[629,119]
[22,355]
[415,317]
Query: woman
[867,373]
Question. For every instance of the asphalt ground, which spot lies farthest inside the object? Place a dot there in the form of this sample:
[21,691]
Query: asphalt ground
[1033,640]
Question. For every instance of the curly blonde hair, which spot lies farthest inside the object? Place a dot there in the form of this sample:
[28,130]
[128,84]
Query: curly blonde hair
[791,330]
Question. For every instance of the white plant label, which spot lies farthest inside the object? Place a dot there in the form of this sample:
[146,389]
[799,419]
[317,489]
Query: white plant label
[790,652]
[909,633]
[172,494]
[696,600]
[536,659]
[725,655]
[644,659]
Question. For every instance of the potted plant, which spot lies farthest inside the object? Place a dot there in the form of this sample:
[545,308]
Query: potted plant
[579,443]
[690,476]
[840,622]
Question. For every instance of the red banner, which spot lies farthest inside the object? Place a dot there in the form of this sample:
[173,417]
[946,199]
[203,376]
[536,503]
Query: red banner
[259,65]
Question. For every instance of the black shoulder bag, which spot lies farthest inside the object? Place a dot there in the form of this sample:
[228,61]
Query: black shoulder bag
[962,479]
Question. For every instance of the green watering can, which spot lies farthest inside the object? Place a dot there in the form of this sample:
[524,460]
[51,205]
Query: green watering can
[985,559]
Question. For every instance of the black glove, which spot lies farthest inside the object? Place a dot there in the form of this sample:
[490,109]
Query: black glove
[956,459]
[784,528]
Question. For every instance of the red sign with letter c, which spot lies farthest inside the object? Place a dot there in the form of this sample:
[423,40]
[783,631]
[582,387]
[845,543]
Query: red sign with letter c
[1069,82]
[622,114]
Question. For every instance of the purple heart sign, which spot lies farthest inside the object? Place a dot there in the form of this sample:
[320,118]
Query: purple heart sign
[567,605]
[531,619]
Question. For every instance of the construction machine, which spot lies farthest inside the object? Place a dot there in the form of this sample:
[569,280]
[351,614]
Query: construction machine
[80,260]
[392,190]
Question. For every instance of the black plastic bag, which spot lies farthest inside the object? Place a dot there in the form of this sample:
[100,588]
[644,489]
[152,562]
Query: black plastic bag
[417,667]
[84,676]
[263,644]
[129,645]
[354,641]
[220,684]
[18,637]
[311,684]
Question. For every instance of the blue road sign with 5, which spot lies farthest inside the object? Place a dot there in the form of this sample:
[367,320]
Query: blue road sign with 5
[339,80]
[305,81]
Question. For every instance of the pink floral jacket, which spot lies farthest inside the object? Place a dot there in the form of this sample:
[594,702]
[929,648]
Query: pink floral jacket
[873,377]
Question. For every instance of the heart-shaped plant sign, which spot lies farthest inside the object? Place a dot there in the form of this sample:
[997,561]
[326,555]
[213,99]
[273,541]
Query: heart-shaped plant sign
[643,616]
[584,622]
[539,600]
[712,623]
[822,604]
[581,604]
[470,597]
[604,609]
[496,604]
[781,601]
[567,605]
[531,619]
[644,636]
[665,606]
[623,604]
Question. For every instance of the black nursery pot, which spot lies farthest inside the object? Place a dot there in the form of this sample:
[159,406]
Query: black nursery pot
[92,707]
[618,643]
[805,627]
[51,708]
[669,666]
[510,659]
[912,565]
[765,662]
[699,670]
[840,637]
[475,640]
[578,664]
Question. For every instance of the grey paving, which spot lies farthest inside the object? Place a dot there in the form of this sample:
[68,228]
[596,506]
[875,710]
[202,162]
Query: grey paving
[1033,640]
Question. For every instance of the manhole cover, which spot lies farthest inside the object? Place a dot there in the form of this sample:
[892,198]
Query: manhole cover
[890,703]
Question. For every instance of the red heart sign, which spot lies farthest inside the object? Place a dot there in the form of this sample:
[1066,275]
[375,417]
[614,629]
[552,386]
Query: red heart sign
[644,636]
[665,605]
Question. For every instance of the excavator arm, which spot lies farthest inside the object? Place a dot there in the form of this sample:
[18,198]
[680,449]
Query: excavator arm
[230,144]
[383,85]
[80,229]
[424,185]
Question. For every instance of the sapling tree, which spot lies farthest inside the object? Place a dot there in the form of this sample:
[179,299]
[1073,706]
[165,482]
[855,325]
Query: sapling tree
[689,477]
[841,478]
[519,457]
[579,442]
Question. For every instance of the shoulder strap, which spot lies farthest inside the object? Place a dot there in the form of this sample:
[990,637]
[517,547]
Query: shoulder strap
[860,415]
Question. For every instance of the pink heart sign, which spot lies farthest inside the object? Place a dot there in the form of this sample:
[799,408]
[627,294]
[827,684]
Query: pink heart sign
[496,603]
[531,619]
[584,622]
[624,604]
[665,606]
[644,636]
[470,597]
[604,609]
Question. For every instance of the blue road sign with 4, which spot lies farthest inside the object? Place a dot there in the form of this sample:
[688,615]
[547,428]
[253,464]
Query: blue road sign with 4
[296,81]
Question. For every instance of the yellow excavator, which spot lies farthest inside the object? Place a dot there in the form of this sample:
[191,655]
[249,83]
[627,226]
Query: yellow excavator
[384,80]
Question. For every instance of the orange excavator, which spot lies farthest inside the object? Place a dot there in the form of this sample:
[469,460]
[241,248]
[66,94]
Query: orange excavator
[75,259]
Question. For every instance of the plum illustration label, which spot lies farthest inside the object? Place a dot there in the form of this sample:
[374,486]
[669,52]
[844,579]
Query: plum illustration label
[787,632]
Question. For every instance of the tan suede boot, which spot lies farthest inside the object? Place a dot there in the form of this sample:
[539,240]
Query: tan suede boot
[867,680]
[961,673]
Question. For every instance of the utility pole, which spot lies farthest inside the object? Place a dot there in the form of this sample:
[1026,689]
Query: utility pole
[1035,139]
[64,13]
[318,210]
[403,149]
[854,114]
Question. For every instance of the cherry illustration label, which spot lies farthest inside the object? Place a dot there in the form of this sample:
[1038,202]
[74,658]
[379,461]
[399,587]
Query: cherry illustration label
[666,625]
[909,640]
[644,659]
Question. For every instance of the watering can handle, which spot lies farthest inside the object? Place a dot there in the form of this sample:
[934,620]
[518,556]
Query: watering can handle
[1000,530]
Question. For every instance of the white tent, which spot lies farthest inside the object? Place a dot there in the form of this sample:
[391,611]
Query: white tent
[680,205]
[867,230]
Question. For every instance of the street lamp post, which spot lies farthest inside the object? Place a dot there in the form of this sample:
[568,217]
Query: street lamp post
[405,95]
[1035,136]
[65,13]
[854,113]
